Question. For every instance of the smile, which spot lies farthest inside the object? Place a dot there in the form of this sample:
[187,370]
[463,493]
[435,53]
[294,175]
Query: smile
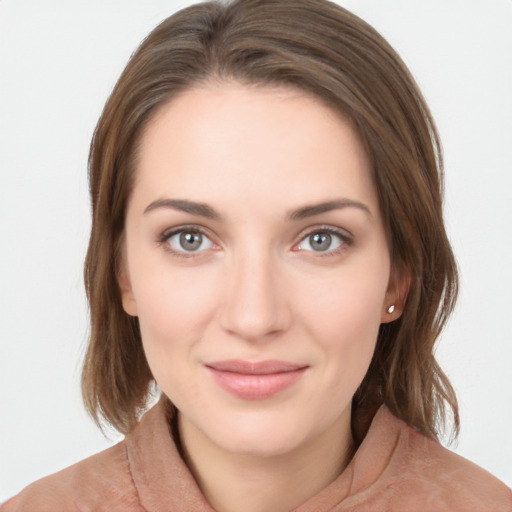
[255,381]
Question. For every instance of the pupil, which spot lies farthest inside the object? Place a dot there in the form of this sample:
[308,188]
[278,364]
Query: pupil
[320,241]
[191,241]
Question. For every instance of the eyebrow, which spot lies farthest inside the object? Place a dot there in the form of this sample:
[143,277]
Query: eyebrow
[183,205]
[205,210]
[327,206]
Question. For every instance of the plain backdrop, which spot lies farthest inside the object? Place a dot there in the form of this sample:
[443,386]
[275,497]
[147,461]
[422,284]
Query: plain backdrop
[58,62]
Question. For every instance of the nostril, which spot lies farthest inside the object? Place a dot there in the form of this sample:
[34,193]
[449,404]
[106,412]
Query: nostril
[253,316]
[254,305]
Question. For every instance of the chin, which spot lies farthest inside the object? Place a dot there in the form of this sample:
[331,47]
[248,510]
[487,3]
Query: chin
[258,434]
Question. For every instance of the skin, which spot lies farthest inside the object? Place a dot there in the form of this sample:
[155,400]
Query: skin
[256,289]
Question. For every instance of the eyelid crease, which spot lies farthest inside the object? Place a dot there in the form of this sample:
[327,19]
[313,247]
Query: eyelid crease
[166,235]
[345,236]
[346,239]
[326,228]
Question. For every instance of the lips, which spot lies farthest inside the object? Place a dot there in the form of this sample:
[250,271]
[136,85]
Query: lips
[255,380]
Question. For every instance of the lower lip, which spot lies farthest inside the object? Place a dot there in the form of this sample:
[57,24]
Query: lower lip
[255,387]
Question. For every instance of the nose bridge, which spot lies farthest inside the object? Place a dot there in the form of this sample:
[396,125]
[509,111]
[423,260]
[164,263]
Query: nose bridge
[254,305]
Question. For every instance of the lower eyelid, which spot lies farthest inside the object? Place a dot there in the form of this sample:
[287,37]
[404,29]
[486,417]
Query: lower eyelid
[342,235]
[163,240]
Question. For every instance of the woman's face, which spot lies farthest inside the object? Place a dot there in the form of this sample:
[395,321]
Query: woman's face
[257,262]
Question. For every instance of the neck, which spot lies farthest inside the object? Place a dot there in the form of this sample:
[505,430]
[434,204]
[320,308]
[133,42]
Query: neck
[232,482]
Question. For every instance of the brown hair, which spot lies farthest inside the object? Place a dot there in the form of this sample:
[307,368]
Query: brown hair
[321,48]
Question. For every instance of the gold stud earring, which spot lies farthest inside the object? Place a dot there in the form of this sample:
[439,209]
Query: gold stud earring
[391,308]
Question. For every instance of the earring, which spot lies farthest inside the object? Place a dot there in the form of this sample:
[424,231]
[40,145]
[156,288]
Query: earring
[391,308]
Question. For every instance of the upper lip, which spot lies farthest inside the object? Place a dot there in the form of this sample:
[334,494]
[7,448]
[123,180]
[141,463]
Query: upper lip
[255,368]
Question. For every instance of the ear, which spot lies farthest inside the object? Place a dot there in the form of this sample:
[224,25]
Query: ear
[125,286]
[396,294]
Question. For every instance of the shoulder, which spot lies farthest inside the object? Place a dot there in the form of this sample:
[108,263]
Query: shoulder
[100,482]
[441,480]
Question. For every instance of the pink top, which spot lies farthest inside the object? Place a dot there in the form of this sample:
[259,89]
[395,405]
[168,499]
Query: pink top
[394,469]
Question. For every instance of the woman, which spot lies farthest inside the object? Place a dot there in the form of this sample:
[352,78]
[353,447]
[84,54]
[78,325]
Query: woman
[268,247]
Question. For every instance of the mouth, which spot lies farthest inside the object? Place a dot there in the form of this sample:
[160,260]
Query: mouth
[255,380]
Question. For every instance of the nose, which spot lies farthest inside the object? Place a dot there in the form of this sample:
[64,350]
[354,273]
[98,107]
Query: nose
[255,304]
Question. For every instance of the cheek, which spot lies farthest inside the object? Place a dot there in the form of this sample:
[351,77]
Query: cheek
[167,296]
[173,309]
[347,303]
[343,315]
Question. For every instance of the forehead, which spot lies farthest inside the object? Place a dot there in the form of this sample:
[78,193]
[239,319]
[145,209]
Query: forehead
[233,140]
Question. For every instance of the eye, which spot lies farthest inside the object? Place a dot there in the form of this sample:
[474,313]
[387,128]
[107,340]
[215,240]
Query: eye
[186,240]
[323,241]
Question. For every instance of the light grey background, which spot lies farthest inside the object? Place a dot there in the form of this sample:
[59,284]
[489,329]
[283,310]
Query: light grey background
[58,61]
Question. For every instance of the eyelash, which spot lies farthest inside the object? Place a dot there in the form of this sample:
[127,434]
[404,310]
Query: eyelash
[344,236]
[167,235]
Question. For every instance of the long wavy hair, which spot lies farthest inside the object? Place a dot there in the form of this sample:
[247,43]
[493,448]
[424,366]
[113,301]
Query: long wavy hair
[321,48]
